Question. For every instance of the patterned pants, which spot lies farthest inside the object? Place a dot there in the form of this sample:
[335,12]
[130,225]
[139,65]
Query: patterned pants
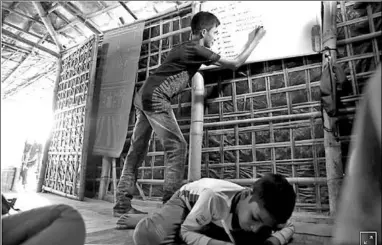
[165,126]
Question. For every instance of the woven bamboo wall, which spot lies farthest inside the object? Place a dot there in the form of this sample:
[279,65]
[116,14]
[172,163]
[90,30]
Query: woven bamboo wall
[66,156]
[293,148]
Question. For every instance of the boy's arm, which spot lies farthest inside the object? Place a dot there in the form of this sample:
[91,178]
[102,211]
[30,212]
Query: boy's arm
[254,40]
[209,207]
[282,236]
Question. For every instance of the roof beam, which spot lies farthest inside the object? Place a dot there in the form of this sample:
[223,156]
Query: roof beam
[53,8]
[14,47]
[23,61]
[47,23]
[95,14]
[23,15]
[23,40]
[9,59]
[25,31]
[77,13]
[128,10]
[5,15]
[61,16]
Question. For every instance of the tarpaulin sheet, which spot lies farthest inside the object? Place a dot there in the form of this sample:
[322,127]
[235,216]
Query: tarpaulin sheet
[120,55]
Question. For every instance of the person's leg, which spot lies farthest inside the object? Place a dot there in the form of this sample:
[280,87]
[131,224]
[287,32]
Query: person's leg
[55,224]
[167,129]
[135,156]
[162,227]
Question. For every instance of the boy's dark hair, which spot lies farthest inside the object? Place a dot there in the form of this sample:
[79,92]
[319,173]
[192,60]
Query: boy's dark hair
[276,195]
[203,20]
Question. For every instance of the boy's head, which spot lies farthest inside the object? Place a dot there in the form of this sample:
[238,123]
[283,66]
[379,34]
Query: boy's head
[204,26]
[269,204]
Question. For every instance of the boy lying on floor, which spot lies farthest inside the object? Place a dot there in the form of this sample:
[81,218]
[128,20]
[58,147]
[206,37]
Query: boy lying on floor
[218,212]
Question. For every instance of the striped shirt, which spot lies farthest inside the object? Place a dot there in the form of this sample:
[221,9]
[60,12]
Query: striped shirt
[210,201]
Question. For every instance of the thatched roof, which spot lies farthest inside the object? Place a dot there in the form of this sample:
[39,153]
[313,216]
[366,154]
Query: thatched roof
[34,34]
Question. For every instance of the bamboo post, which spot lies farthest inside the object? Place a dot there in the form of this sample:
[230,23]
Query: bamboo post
[333,155]
[114,167]
[105,175]
[196,131]
[45,151]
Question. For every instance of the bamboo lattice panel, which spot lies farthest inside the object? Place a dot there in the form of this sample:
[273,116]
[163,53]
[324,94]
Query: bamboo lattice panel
[293,148]
[68,146]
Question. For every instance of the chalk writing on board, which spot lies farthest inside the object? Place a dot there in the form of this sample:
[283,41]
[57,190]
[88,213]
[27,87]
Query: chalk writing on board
[234,18]
[288,29]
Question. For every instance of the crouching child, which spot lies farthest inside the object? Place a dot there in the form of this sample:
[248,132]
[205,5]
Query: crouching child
[217,212]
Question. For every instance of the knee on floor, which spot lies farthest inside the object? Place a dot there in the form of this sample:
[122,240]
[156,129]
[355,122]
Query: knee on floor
[146,233]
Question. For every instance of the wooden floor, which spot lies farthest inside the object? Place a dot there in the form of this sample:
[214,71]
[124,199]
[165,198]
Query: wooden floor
[100,222]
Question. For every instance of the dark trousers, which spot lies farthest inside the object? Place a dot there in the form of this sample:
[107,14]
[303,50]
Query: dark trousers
[166,127]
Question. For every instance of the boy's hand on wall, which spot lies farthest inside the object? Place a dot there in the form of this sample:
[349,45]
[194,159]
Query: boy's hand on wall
[257,34]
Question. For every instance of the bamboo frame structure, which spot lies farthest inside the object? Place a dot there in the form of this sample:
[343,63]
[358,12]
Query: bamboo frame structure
[66,151]
[268,119]
[334,169]
[30,43]
[48,24]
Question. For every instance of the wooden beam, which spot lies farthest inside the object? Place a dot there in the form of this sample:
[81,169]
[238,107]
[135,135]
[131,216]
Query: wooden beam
[53,8]
[25,31]
[155,9]
[14,47]
[128,10]
[47,23]
[5,14]
[6,59]
[23,40]
[61,16]
[23,15]
[23,61]
[95,14]
[9,59]
[86,21]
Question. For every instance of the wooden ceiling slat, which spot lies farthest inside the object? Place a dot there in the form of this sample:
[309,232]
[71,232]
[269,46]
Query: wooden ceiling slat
[25,31]
[23,15]
[23,61]
[14,47]
[48,24]
[90,16]
[30,43]
[75,12]
[128,10]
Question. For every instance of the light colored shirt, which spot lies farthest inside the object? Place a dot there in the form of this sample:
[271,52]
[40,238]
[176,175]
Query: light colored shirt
[209,201]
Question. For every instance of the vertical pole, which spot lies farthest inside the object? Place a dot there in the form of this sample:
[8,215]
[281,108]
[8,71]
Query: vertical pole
[196,131]
[114,170]
[105,175]
[333,154]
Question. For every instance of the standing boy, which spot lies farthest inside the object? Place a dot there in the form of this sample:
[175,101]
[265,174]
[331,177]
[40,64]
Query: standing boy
[154,112]
[218,212]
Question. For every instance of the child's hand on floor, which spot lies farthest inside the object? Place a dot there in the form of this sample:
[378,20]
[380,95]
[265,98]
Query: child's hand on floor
[272,241]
